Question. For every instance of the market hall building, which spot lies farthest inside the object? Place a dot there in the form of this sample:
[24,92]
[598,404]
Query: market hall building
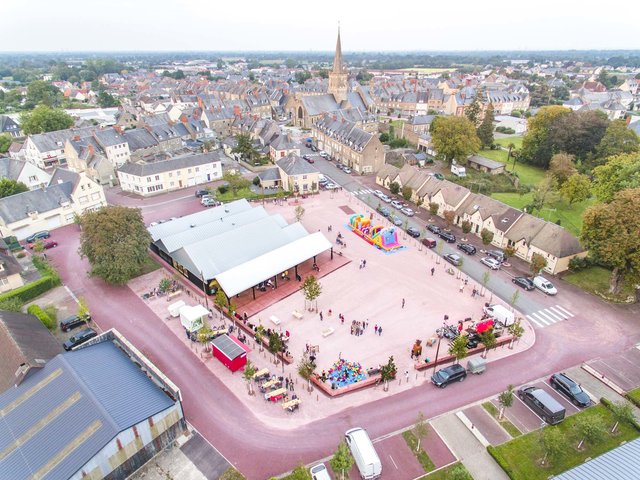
[236,247]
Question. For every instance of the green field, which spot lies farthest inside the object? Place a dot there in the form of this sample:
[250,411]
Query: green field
[521,456]
[505,141]
[596,280]
[528,174]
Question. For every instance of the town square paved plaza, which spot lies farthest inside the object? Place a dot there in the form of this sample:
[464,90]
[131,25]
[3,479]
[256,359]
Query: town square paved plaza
[373,294]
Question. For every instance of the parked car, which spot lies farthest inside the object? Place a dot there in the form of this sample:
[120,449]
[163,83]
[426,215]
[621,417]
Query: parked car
[38,236]
[201,193]
[396,204]
[210,202]
[447,236]
[453,259]
[314,148]
[346,170]
[330,186]
[492,263]
[339,166]
[439,176]
[378,193]
[319,472]
[384,211]
[570,389]
[79,338]
[413,232]
[444,376]
[73,321]
[429,242]
[498,255]
[324,154]
[407,211]
[467,248]
[323,182]
[433,228]
[543,404]
[396,220]
[205,198]
[46,244]
[544,285]
[385,198]
[524,282]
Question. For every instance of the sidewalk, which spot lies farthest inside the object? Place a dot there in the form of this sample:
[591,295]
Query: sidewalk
[467,448]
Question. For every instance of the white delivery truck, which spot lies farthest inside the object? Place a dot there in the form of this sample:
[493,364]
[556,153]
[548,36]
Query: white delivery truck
[500,314]
[364,454]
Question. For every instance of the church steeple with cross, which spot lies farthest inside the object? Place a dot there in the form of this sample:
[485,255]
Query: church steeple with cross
[338,77]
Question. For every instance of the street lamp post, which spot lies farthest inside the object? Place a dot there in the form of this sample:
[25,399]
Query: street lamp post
[435,361]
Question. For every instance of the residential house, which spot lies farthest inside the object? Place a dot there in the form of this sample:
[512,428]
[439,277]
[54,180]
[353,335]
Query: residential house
[485,165]
[9,125]
[484,212]
[361,151]
[86,155]
[297,175]
[27,173]
[68,194]
[151,178]
[386,175]
[10,274]
[46,150]
[281,146]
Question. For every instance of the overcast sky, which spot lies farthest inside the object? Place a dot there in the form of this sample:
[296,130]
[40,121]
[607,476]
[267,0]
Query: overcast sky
[98,25]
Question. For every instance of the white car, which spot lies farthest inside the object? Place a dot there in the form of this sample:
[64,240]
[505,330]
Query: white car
[330,186]
[544,285]
[378,193]
[492,263]
[385,198]
[324,154]
[319,472]
[407,211]
[346,170]
[397,204]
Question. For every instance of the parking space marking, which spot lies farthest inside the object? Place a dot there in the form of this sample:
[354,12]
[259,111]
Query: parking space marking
[531,410]
[569,402]
[394,462]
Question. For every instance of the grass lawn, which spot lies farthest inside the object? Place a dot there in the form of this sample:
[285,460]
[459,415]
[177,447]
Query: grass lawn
[570,216]
[423,458]
[528,174]
[521,456]
[505,141]
[506,424]
[596,280]
[149,266]
[634,396]
[397,125]
[447,473]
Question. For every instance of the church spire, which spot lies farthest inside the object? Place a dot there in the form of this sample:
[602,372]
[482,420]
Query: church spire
[337,60]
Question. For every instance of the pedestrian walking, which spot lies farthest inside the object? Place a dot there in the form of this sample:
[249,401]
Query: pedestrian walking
[375,329]
[342,320]
[364,263]
[321,316]
[473,293]
[403,303]
[406,375]
[380,330]
[461,287]
[433,269]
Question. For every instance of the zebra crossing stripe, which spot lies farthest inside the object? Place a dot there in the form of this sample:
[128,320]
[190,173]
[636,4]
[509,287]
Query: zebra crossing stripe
[535,321]
[548,315]
[558,312]
[565,310]
[540,319]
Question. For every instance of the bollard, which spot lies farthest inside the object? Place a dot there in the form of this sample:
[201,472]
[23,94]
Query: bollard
[317,398]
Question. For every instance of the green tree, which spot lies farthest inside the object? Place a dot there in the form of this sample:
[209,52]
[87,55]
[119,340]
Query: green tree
[545,192]
[458,347]
[590,429]
[406,193]
[245,147]
[487,236]
[454,138]
[40,92]
[420,429]
[220,300]
[485,130]
[561,167]
[553,443]
[302,77]
[433,208]
[384,137]
[44,119]
[536,145]
[505,399]
[106,100]
[394,187]
[38,246]
[299,212]
[474,111]
[619,173]
[5,142]
[388,372]
[115,241]
[578,133]
[311,289]
[488,339]
[515,296]
[449,216]
[622,413]
[323,73]
[610,233]
[10,187]
[83,308]
[306,368]
[299,473]
[236,181]
[577,188]
[275,345]
[516,330]
[617,139]
[466,226]
[342,460]
[538,263]
[248,373]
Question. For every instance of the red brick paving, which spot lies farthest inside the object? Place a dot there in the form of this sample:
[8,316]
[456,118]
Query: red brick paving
[437,450]
[398,461]
[486,425]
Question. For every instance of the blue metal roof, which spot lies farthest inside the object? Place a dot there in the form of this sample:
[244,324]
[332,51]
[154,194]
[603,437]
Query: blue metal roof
[621,463]
[61,416]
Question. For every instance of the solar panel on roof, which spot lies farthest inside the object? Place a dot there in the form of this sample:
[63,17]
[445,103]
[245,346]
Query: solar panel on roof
[228,347]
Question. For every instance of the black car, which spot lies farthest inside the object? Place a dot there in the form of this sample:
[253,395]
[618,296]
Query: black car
[453,259]
[413,232]
[467,248]
[444,376]
[38,236]
[314,148]
[447,236]
[201,193]
[73,321]
[79,338]
[570,389]
[433,228]
[524,282]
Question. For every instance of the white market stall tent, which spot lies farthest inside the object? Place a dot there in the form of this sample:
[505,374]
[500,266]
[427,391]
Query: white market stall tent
[174,308]
[192,317]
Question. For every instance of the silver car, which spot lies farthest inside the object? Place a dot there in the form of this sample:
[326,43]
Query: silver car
[407,211]
[492,263]
[396,204]
[395,220]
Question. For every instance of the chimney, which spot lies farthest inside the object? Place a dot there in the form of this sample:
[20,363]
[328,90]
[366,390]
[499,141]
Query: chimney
[91,150]
[76,138]
[118,129]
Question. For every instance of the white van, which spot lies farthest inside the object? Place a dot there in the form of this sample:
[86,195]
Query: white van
[364,454]
[545,285]
[500,313]
[458,170]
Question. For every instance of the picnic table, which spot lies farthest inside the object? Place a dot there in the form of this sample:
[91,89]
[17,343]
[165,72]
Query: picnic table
[274,319]
[271,383]
[261,373]
[291,405]
[275,395]
[297,314]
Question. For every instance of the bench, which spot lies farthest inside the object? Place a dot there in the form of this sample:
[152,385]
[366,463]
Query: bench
[297,314]
[291,405]
[274,319]
[173,294]
[328,331]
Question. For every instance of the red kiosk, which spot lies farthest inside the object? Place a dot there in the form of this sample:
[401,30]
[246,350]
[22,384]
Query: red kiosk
[230,351]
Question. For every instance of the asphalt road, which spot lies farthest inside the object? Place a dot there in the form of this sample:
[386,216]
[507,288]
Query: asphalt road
[260,451]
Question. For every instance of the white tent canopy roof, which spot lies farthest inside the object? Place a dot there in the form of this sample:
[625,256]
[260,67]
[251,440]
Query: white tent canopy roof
[249,274]
[192,313]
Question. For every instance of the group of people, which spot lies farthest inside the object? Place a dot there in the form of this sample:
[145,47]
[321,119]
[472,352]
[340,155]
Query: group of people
[343,373]
[357,328]
[363,264]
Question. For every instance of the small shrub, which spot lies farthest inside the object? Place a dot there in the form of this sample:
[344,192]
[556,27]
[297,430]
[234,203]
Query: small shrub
[487,236]
[256,181]
[42,316]
[222,189]
[11,305]
[466,226]
[577,263]
[52,312]
[21,254]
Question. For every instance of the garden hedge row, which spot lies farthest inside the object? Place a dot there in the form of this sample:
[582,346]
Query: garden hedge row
[500,461]
[46,320]
[31,290]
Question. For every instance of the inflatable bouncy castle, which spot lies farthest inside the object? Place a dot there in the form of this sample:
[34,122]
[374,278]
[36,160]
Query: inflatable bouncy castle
[383,238]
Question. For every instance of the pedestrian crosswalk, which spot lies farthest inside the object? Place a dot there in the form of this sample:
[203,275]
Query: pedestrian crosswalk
[363,191]
[549,316]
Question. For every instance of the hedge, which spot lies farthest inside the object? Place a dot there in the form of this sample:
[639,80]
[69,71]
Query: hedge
[42,316]
[31,290]
[608,403]
[500,461]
